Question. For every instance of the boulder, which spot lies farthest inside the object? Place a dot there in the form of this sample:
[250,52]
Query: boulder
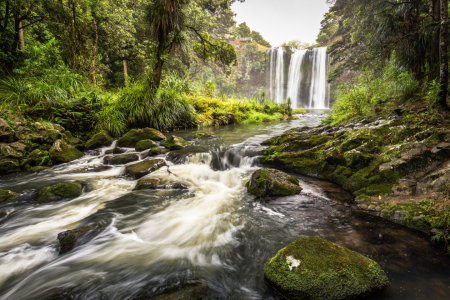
[61,152]
[175,143]
[202,135]
[99,140]
[18,146]
[270,182]
[6,195]
[143,168]
[36,138]
[144,145]
[9,165]
[51,135]
[132,137]
[116,150]
[156,184]
[70,239]
[7,134]
[56,192]
[120,159]
[314,268]
[35,158]
[156,151]
[8,152]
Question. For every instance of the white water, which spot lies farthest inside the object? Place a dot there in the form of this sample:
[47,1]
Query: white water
[307,84]
[277,74]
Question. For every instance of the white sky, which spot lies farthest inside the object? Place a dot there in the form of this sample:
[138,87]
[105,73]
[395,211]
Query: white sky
[280,21]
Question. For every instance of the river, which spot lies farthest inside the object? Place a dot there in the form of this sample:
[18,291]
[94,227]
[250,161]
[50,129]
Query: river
[214,233]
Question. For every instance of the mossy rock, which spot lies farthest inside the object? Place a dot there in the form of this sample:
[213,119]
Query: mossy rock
[9,165]
[7,134]
[61,152]
[101,139]
[155,183]
[314,268]
[145,145]
[59,191]
[70,239]
[191,292]
[116,150]
[270,182]
[202,135]
[9,152]
[132,137]
[6,195]
[175,143]
[156,151]
[143,168]
[120,159]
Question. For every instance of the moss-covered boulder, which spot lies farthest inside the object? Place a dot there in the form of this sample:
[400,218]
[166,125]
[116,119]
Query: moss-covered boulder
[132,137]
[121,159]
[70,239]
[6,151]
[175,143]
[145,145]
[7,134]
[156,151]
[61,152]
[9,165]
[116,150]
[314,268]
[6,195]
[270,182]
[101,139]
[59,191]
[156,184]
[143,168]
[202,135]
[191,292]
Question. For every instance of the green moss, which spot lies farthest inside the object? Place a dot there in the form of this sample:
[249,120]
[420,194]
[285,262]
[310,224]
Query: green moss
[202,134]
[68,190]
[144,145]
[269,182]
[325,271]
[100,139]
[6,195]
[61,152]
[140,169]
[175,143]
[131,138]
[9,166]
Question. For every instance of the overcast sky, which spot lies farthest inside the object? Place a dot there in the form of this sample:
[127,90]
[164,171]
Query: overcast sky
[280,21]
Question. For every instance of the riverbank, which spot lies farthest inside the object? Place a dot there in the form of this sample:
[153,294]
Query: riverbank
[395,170]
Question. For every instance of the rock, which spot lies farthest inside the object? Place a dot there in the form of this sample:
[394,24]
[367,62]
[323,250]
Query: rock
[6,195]
[156,151]
[61,152]
[58,127]
[270,182]
[70,239]
[51,135]
[18,146]
[67,190]
[38,169]
[143,168]
[131,138]
[144,145]
[437,181]
[202,135]
[38,126]
[314,268]
[99,140]
[8,152]
[191,292]
[35,157]
[156,184]
[120,159]
[7,134]
[175,143]
[116,150]
[38,139]
[9,165]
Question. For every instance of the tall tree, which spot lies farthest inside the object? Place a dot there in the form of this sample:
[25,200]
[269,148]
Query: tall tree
[443,54]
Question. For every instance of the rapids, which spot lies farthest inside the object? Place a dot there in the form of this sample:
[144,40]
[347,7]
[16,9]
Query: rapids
[213,233]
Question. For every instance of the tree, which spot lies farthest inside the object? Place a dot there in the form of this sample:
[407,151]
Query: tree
[243,30]
[296,44]
[259,39]
[443,54]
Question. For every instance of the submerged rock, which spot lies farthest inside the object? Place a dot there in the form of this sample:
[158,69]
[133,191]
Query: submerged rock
[6,195]
[270,182]
[99,140]
[314,268]
[202,134]
[156,151]
[156,184]
[116,150]
[175,143]
[120,159]
[59,191]
[70,239]
[144,145]
[132,137]
[61,152]
[143,168]
[191,292]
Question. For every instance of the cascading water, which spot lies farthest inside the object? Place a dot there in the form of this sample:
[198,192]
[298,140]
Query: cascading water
[307,84]
[277,74]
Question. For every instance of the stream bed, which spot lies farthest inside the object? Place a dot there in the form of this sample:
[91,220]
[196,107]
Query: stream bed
[214,232]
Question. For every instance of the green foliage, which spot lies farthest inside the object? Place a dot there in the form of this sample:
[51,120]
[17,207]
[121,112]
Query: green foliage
[210,88]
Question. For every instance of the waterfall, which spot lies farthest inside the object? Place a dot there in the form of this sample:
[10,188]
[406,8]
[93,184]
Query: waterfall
[307,84]
[277,74]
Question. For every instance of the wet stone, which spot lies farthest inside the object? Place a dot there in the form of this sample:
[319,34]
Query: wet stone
[156,184]
[59,191]
[270,182]
[143,168]
[99,140]
[70,239]
[120,159]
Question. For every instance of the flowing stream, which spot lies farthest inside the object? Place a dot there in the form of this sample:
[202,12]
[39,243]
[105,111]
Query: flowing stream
[214,233]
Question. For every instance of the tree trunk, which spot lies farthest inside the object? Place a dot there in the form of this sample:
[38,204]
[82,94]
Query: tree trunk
[155,79]
[434,59]
[94,57]
[125,72]
[21,41]
[73,36]
[443,55]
